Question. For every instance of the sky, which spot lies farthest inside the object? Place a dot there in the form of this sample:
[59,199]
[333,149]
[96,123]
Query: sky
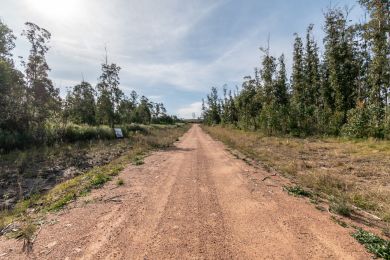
[172,51]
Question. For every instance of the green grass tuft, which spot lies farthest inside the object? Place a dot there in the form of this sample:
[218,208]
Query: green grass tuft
[99,179]
[298,191]
[341,207]
[138,160]
[59,204]
[120,182]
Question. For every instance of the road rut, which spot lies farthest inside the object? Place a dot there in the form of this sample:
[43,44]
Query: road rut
[193,201]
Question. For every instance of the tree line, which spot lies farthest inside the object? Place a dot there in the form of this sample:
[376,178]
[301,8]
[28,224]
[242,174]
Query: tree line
[30,104]
[343,91]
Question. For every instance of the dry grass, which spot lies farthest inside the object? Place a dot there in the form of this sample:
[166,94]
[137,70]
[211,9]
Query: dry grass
[355,172]
[65,192]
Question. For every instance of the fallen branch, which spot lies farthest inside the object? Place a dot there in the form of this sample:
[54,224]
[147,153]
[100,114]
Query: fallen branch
[269,176]
[4,229]
[39,231]
[115,199]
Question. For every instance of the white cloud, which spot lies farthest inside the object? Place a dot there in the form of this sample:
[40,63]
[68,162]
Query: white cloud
[187,112]
[187,46]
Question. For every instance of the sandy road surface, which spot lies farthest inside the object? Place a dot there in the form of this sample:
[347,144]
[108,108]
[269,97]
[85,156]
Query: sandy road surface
[194,201]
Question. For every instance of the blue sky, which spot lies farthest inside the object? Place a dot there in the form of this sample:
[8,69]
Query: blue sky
[172,51]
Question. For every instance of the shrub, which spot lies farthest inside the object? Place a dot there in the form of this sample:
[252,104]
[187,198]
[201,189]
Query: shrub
[341,207]
[120,182]
[298,191]
[13,140]
[357,123]
[62,202]
[373,243]
[74,133]
[99,179]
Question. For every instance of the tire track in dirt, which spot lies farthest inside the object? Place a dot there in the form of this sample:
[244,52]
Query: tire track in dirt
[192,224]
[194,201]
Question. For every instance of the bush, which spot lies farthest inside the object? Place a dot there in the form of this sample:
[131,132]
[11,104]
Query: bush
[298,191]
[357,123]
[341,207]
[74,133]
[99,179]
[133,128]
[54,133]
[13,140]
[373,243]
[365,122]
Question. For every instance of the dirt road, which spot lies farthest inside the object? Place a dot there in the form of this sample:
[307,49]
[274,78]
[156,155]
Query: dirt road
[195,201]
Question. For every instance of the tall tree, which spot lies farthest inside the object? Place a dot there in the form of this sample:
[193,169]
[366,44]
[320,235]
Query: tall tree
[13,112]
[43,96]
[298,86]
[126,110]
[268,120]
[81,104]
[214,116]
[377,32]
[109,94]
[281,87]
[249,103]
[143,113]
[311,68]
[341,64]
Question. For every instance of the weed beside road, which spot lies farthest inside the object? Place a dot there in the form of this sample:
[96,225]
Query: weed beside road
[347,172]
[66,191]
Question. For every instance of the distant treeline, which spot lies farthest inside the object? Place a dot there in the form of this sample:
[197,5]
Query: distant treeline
[30,105]
[344,91]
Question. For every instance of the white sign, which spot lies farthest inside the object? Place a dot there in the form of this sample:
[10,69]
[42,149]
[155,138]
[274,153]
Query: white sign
[118,133]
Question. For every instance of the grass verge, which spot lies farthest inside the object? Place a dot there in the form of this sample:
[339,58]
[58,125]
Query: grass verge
[67,191]
[346,172]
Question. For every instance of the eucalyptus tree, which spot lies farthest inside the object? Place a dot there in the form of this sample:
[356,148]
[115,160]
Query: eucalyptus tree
[109,94]
[43,97]
[341,64]
[377,32]
[81,104]
[13,110]
[298,86]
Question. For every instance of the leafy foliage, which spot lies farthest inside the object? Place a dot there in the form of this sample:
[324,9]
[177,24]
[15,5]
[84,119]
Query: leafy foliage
[32,112]
[342,92]
[373,243]
[298,191]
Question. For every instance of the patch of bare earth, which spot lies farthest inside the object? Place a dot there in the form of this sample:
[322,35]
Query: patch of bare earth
[194,201]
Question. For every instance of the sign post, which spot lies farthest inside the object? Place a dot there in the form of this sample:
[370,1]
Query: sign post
[118,132]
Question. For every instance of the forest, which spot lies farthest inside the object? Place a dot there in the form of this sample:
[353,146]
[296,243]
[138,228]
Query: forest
[343,91]
[33,113]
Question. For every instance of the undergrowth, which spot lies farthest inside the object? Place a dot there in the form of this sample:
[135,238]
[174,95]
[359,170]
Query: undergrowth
[374,244]
[67,191]
[348,172]
[298,191]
